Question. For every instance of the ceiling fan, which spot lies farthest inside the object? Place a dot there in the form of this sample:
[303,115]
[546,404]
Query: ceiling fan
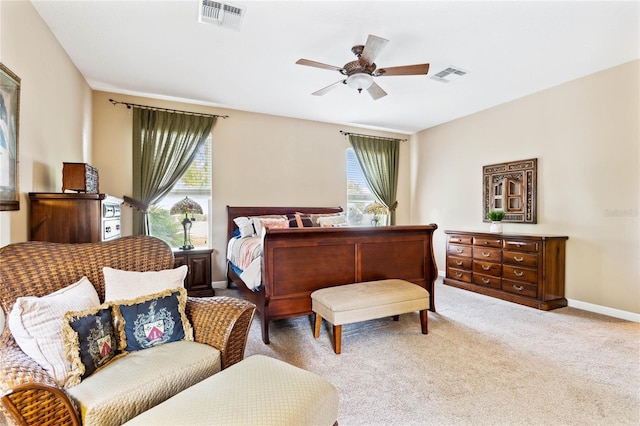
[360,72]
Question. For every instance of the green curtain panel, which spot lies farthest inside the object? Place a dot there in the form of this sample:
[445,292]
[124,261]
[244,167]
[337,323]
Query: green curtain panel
[164,145]
[379,159]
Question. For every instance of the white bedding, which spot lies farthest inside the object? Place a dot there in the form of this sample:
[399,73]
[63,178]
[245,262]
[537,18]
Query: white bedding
[246,254]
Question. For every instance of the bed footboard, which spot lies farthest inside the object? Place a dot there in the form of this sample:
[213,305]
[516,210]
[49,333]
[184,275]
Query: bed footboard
[298,261]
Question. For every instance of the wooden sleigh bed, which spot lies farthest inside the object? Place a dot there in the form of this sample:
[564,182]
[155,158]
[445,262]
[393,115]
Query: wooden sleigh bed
[297,261]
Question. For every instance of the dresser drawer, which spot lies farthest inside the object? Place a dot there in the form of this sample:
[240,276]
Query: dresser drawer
[486,280]
[488,268]
[490,254]
[459,262]
[520,245]
[520,258]
[458,250]
[487,242]
[459,275]
[520,274]
[461,239]
[517,287]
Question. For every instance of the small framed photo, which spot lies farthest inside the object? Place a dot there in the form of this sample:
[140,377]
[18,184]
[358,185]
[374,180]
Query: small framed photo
[9,125]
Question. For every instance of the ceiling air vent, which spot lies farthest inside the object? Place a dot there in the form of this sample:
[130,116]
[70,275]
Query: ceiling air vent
[223,14]
[448,75]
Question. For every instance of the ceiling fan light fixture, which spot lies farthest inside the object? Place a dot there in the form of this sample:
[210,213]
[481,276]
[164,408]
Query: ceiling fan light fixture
[360,81]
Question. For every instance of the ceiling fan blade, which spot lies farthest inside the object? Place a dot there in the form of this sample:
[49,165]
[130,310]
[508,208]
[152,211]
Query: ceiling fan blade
[403,70]
[328,88]
[317,64]
[373,48]
[376,91]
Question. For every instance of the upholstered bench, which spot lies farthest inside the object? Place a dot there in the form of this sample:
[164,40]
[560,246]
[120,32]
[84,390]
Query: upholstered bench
[365,301]
[257,391]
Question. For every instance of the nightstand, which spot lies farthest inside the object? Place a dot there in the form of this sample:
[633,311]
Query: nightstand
[198,279]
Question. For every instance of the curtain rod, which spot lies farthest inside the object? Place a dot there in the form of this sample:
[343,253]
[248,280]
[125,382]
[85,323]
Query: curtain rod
[370,136]
[129,105]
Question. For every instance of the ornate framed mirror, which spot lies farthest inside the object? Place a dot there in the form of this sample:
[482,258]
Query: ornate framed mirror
[511,187]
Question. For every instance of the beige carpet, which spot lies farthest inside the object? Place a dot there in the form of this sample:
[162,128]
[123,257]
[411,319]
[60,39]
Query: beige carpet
[484,362]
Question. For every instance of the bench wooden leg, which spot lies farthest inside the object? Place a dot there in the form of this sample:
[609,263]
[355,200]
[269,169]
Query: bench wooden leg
[337,339]
[316,326]
[424,321]
[396,317]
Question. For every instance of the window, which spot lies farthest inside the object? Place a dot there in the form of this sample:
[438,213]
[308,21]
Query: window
[359,195]
[195,184]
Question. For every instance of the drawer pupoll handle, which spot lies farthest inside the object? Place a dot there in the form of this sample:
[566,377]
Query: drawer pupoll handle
[459,250]
[459,262]
[459,274]
[486,242]
[518,273]
[518,287]
[518,259]
[486,267]
[486,280]
[485,254]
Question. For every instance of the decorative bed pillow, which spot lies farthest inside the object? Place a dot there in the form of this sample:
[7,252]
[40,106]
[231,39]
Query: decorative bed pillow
[245,226]
[299,220]
[332,221]
[126,285]
[260,223]
[315,217]
[152,320]
[89,341]
[36,324]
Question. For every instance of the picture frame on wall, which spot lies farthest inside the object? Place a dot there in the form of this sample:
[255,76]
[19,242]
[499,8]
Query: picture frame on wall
[9,129]
[511,187]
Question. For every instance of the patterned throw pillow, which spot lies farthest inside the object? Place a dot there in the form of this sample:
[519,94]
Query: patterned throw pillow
[300,220]
[89,340]
[152,320]
[260,223]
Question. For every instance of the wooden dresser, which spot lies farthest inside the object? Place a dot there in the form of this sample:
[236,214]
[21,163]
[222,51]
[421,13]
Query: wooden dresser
[525,269]
[73,217]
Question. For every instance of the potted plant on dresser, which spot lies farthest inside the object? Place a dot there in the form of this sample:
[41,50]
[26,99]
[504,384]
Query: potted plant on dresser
[496,217]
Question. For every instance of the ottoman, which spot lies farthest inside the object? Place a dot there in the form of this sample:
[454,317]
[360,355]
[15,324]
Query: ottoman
[346,304]
[258,390]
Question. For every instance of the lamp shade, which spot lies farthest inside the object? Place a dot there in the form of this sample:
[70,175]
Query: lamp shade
[186,206]
[360,81]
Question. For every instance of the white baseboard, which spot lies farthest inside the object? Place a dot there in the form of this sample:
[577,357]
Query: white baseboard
[604,310]
[598,309]
[219,284]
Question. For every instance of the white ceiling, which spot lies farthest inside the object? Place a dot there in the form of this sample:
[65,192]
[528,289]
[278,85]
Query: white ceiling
[159,49]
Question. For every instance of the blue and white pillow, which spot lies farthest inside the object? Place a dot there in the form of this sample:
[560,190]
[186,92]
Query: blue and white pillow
[152,320]
[89,341]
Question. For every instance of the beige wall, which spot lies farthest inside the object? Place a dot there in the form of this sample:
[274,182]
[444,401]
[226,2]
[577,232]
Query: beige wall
[258,160]
[586,137]
[55,109]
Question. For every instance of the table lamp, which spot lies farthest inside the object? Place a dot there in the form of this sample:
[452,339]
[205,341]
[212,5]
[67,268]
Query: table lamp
[187,207]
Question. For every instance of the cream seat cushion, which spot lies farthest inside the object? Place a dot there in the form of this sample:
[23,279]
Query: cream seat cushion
[351,303]
[134,383]
[259,390]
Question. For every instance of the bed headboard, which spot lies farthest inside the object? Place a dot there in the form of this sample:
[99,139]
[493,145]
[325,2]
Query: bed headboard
[235,211]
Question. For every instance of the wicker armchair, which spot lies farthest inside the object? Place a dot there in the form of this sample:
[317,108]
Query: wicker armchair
[36,268]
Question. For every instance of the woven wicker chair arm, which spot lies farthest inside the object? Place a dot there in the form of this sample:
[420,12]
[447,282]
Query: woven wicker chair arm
[222,322]
[29,392]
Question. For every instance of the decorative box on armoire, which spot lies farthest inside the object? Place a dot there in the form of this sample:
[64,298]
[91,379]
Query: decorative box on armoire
[79,177]
[521,268]
[73,218]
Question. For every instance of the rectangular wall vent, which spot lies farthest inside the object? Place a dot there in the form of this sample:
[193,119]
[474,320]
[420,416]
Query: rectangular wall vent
[223,14]
[448,75]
